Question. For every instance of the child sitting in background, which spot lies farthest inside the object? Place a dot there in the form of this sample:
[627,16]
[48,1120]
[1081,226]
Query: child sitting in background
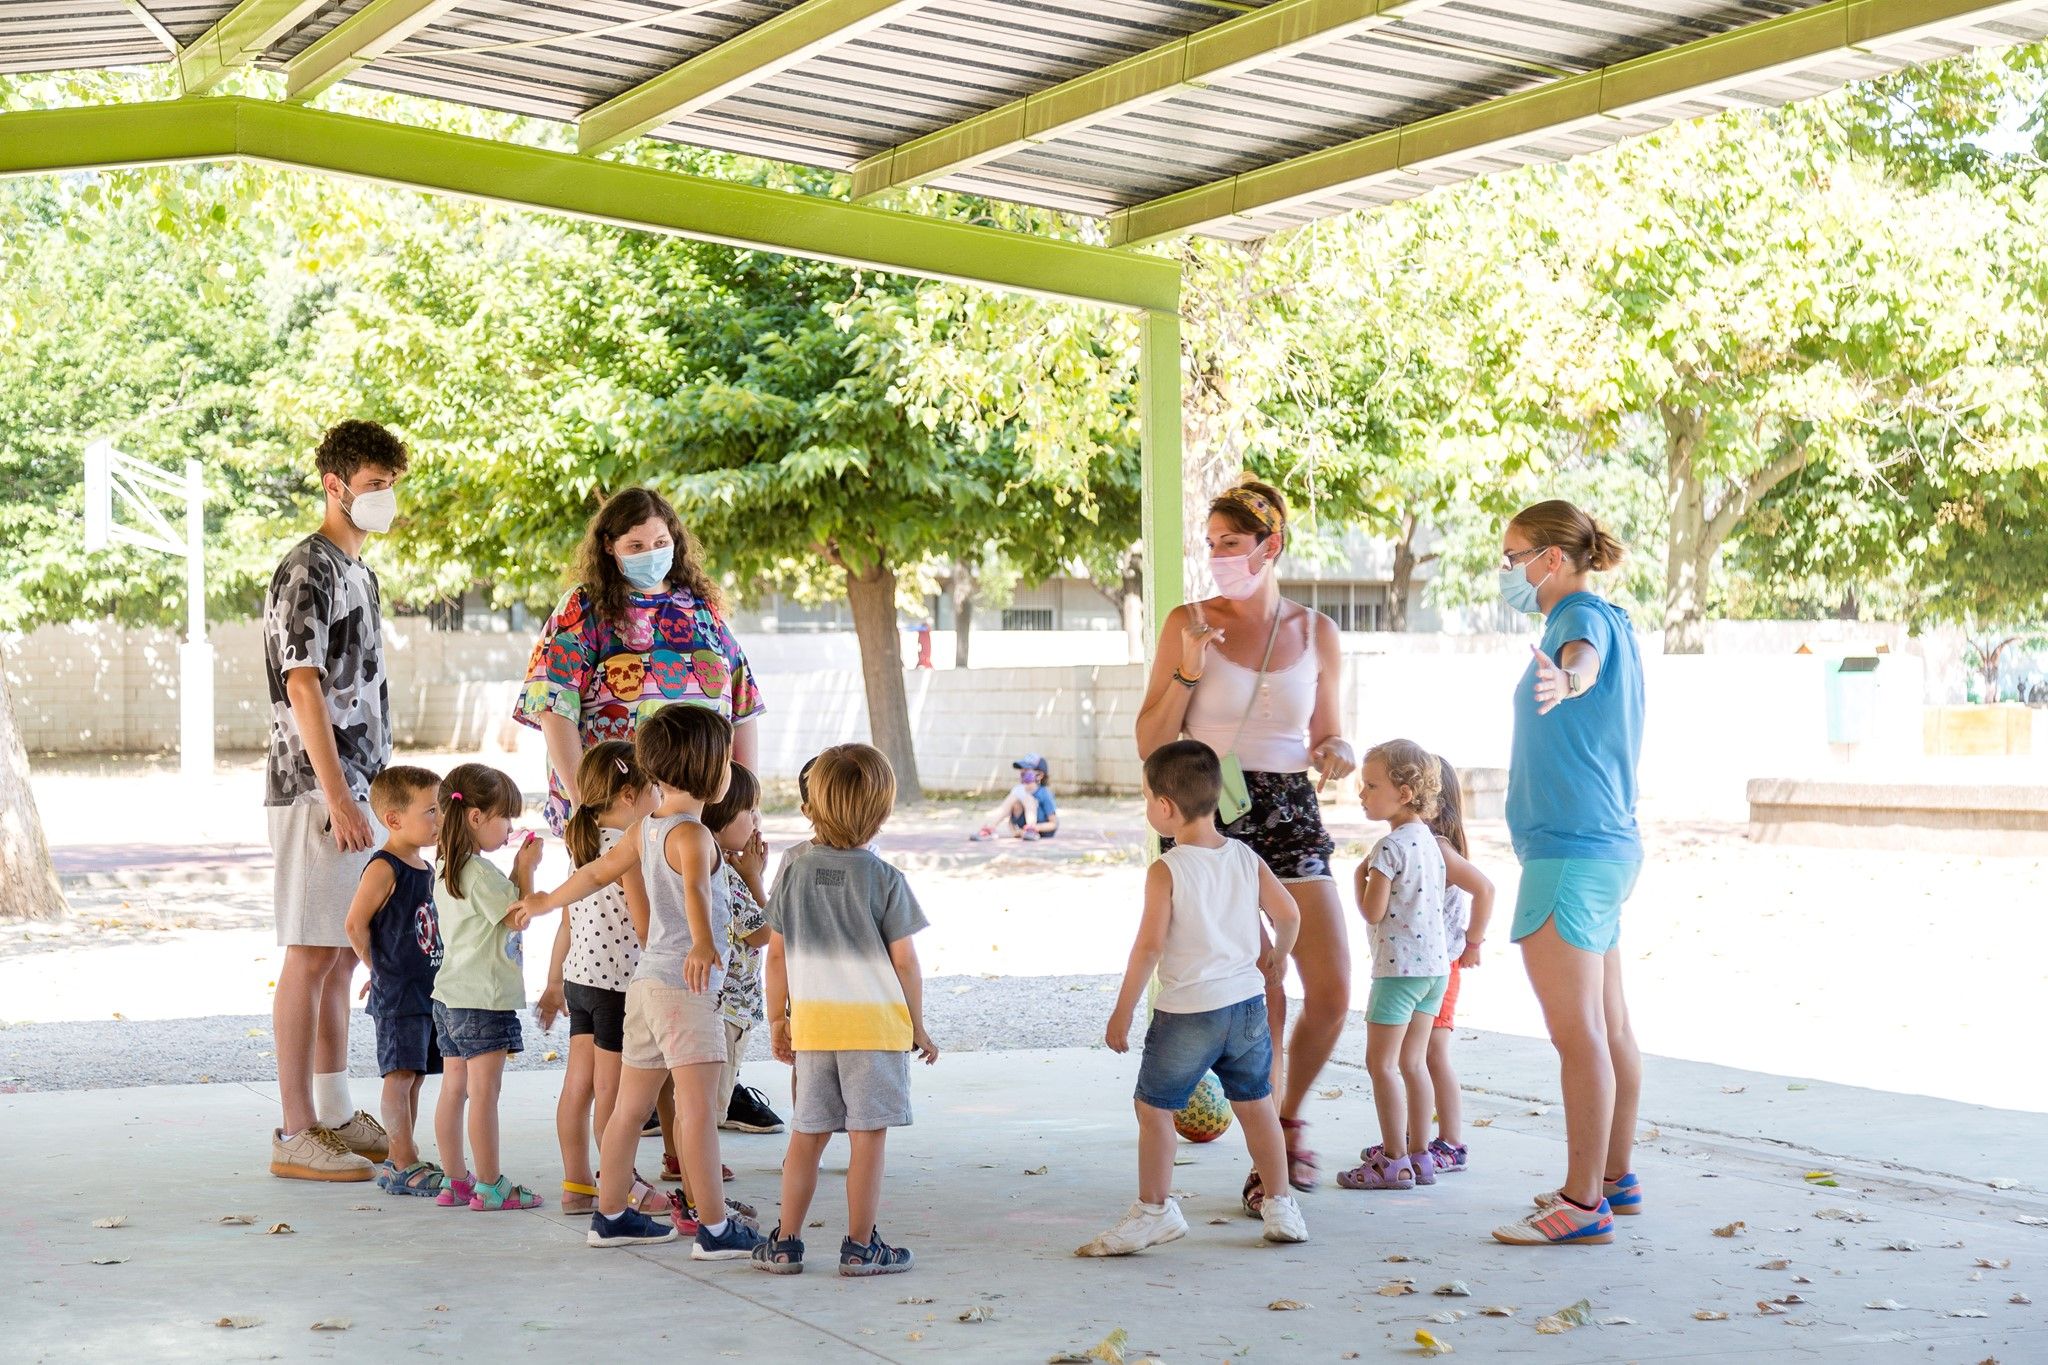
[1201,934]
[1401,894]
[480,988]
[1468,908]
[845,1006]
[396,935]
[1029,811]
[596,950]
[735,821]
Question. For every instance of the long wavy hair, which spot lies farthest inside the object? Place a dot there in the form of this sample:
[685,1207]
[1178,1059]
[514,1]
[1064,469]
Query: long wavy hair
[597,569]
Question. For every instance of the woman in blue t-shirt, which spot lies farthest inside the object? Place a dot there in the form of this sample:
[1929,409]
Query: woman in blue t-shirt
[1571,811]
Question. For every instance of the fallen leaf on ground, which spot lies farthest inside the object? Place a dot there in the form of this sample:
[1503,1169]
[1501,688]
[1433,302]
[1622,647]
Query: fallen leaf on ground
[1183,1161]
[915,1336]
[1449,1317]
[1986,1263]
[1795,1086]
[551,1056]
[1801,1279]
[1848,1216]
[255,1033]
[1899,1244]
[1111,1348]
[1768,1309]
[1650,1135]
[276,1229]
[1886,1305]
[235,1219]
[1397,1257]
[110,1260]
[1775,1265]
[1617,1321]
[1456,1289]
[1494,1310]
[331,1325]
[1709,1315]
[1733,1089]
[1482,1123]
[1285,1305]
[1538,1112]
[1730,1229]
[1790,1300]
[1218,1222]
[1430,1345]
[117,1221]
[1037,1170]
[917,1298]
[2029,1220]
[1969,1313]
[981,1312]
[1395,1290]
[1564,1319]
[2002,1182]
[2021,1299]
[1820,1175]
[237,1320]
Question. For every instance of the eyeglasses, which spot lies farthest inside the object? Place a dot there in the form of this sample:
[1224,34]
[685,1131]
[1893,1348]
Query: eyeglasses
[1510,561]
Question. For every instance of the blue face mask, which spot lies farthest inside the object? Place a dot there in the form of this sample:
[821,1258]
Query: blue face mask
[647,568]
[1518,592]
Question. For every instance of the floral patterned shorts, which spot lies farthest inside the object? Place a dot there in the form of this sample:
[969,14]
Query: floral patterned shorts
[1284,827]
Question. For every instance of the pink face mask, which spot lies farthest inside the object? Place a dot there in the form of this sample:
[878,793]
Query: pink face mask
[1235,577]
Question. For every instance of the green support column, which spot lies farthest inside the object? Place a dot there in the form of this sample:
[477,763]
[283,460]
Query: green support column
[1159,404]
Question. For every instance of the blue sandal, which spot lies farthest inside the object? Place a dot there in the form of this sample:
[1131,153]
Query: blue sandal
[422,1178]
[875,1258]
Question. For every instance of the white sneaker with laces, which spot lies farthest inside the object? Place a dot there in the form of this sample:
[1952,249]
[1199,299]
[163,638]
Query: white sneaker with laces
[1140,1227]
[1282,1216]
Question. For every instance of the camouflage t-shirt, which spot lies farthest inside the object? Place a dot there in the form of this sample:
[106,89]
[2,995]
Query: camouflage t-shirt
[322,612]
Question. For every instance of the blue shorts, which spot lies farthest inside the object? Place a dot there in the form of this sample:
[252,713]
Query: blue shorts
[406,1042]
[1584,896]
[1234,1042]
[1398,999]
[477,1033]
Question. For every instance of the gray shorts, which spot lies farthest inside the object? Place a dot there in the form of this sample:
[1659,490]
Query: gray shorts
[314,881]
[851,1092]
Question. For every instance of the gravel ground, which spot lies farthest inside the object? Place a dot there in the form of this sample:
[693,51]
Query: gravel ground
[964,1014]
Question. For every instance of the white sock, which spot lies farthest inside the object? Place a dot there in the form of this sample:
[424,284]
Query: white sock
[1159,1207]
[716,1229]
[332,1106]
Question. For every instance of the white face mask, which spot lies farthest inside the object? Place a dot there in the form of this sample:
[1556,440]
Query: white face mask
[374,511]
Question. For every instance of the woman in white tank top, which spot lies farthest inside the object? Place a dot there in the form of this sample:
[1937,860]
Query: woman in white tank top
[1250,673]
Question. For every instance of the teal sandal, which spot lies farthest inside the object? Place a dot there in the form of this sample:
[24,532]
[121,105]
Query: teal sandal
[502,1194]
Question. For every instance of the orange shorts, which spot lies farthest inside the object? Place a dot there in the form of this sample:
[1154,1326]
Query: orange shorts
[1445,1020]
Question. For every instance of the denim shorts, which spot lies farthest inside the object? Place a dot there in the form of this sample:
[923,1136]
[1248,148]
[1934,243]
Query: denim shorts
[477,1033]
[1584,896]
[1234,1042]
[406,1042]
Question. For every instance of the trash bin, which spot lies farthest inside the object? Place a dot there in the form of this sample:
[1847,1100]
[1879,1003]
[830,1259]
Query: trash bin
[1852,698]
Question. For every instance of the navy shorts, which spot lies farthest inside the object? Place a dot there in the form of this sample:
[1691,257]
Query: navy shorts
[597,1012]
[1234,1042]
[406,1042]
[477,1033]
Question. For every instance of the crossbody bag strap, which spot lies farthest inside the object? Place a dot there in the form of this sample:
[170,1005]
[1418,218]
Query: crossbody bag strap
[1265,661]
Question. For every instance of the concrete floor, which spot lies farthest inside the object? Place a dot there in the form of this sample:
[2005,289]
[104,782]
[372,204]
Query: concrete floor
[411,1278]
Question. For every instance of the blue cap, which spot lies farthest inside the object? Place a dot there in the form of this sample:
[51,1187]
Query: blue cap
[1029,761]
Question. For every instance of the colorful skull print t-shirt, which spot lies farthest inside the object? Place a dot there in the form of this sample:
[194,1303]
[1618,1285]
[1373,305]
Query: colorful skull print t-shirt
[322,612]
[671,648]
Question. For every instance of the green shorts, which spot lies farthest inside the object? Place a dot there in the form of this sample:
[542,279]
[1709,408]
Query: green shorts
[1398,999]
[1584,896]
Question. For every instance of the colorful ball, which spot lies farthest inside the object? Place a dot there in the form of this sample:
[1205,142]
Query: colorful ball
[1206,1116]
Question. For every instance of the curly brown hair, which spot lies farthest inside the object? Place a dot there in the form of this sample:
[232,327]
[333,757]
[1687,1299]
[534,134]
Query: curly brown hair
[597,570]
[1410,765]
[350,446]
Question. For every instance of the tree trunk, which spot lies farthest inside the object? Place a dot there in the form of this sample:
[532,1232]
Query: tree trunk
[1689,553]
[962,586]
[1406,563]
[28,882]
[872,595]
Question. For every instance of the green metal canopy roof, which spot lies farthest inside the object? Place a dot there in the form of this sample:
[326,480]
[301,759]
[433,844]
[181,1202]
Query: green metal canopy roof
[1160,117]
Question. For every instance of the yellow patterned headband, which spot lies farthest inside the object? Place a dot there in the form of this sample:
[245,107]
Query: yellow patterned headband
[1267,515]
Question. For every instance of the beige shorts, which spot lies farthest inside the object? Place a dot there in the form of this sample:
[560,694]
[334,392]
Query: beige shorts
[736,1036]
[313,880]
[669,1026]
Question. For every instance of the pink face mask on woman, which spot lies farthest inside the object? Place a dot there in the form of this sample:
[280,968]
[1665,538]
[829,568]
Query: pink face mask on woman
[1235,577]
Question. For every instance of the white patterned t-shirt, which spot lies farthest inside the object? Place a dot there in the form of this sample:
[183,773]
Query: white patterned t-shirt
[1410,940]
[603,949]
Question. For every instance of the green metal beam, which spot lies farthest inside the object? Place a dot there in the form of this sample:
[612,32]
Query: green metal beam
[776,44]
[357,41]
[1159,456]
[1252,40]
[108,136]
[238,38]
[1741,56]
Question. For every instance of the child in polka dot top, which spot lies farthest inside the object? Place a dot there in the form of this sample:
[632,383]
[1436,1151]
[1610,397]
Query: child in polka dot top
[596,950]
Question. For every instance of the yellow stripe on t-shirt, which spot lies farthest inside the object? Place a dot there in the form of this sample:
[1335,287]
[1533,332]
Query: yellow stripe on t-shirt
[849,1026]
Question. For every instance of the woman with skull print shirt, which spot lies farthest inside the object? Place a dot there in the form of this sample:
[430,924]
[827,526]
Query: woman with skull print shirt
[641,630]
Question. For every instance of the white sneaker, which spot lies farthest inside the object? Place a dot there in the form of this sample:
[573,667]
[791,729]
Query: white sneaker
[1283,1219]
[1140,1228]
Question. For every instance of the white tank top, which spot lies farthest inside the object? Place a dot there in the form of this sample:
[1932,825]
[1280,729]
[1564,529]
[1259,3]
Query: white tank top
[1212,940]
[1275,737]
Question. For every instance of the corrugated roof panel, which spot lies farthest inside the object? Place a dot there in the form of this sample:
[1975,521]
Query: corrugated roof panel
[186,19]
[58,35]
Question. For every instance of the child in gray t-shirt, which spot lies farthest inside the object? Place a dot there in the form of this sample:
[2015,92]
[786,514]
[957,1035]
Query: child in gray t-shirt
[845,1004]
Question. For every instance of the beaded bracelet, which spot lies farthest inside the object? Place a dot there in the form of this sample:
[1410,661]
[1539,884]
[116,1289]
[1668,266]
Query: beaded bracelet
[1183,679]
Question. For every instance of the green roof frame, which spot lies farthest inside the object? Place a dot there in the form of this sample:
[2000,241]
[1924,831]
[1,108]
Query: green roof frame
[237,39]
[773,45]
[1739,57]
[1254,39]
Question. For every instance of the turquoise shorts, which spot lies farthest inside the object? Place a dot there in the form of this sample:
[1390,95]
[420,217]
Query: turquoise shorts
[1584,896]
[1398,999]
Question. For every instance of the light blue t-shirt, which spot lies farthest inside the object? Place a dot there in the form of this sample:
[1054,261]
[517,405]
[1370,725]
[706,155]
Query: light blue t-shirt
[1572,773]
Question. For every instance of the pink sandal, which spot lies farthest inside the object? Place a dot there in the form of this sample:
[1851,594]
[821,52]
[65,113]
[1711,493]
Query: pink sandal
[456,1192]
[1302,1169]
